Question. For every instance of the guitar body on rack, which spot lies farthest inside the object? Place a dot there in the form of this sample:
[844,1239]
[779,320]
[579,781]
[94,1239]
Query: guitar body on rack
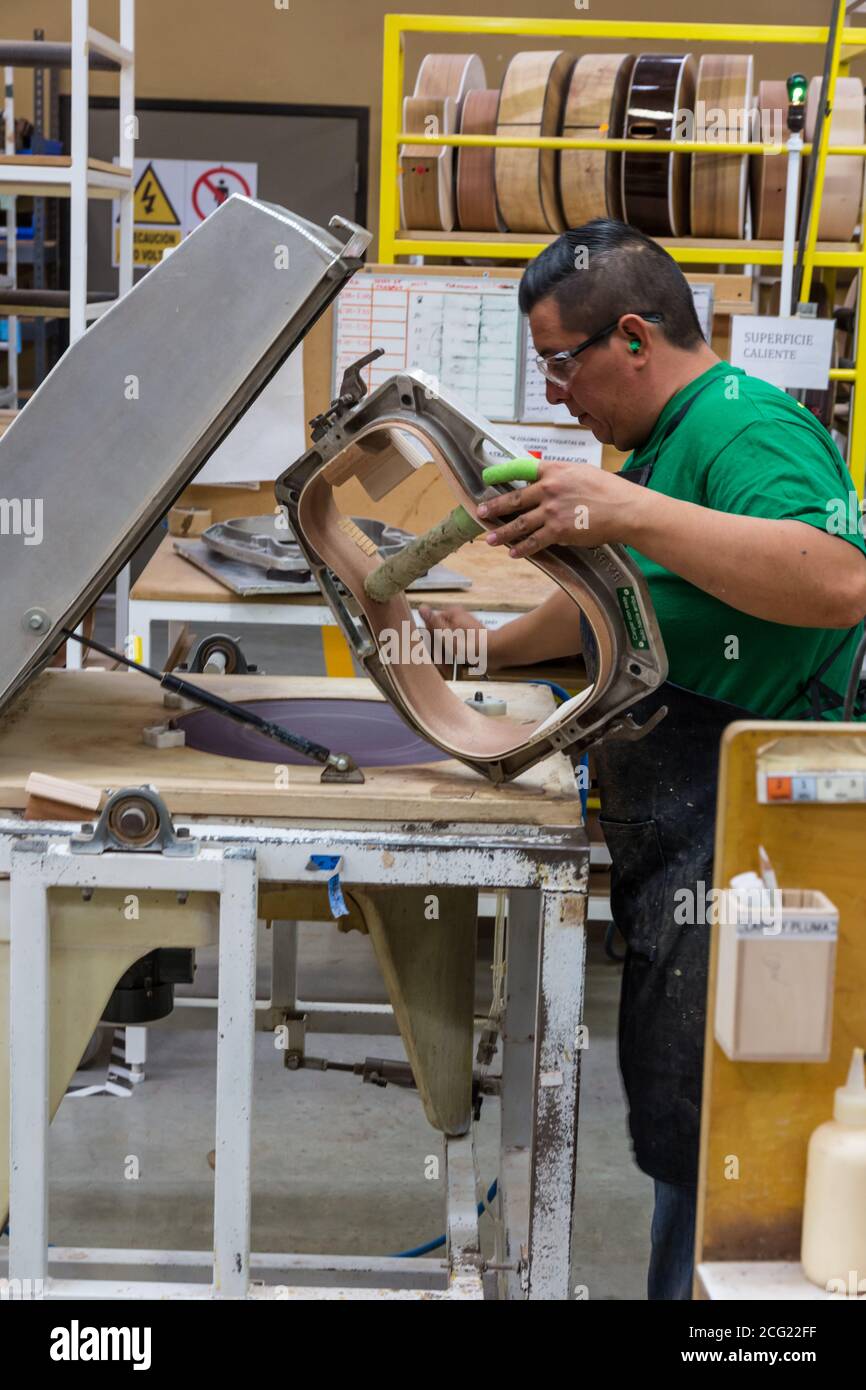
[719,182]
[435,108]
[590,182]
[476,177]
[655,187]
[531,104]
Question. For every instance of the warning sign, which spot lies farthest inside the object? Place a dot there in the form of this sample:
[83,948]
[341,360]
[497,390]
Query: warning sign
[173,196]
[151,202]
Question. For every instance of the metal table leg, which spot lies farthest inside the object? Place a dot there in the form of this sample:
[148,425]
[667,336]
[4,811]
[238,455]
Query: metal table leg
[555,1093]
[234,1081]
[518,1050]
[29,1043]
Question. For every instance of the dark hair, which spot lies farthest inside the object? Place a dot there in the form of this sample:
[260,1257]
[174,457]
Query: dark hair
[604,269]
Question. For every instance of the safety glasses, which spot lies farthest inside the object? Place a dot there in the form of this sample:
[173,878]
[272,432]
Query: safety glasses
[559,367]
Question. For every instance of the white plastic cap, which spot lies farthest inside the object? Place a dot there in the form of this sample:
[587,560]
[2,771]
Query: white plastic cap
[849,1106]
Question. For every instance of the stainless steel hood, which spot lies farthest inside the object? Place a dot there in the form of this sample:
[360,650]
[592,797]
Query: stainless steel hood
[134,409]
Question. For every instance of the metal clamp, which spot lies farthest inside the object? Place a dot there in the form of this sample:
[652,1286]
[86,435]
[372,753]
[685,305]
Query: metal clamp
[353,389]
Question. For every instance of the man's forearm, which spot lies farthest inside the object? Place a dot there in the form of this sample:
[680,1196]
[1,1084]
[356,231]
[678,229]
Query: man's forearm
[550,631]
[781,571]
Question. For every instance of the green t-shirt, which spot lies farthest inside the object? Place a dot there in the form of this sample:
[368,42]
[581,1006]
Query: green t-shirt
[746,447]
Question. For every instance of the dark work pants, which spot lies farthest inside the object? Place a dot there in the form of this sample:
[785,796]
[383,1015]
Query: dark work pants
[673,1241]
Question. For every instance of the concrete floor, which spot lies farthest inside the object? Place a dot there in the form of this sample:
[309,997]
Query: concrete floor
[339,1167]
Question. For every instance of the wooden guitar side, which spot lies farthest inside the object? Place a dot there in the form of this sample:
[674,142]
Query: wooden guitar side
[768,174]
[655,187]
[843,176]
[450,75]
[591,183]
[427,182]
[533,95]
[723,103]
[476,181]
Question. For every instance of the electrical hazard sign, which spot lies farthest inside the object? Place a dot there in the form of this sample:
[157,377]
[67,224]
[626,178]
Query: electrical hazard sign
[172,197]
[157,211]
[151,203]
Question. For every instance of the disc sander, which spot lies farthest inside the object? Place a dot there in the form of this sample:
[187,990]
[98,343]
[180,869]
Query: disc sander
[370,731]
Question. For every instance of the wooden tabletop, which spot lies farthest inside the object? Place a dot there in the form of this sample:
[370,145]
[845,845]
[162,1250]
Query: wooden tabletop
[499,584]
[86,726]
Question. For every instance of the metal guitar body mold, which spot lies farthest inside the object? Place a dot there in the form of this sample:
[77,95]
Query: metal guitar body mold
[379,440]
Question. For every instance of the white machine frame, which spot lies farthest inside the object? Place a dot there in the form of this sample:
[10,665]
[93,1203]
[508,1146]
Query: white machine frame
[545,872]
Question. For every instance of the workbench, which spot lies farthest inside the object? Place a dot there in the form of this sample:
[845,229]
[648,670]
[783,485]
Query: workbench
[427,828]
[171,589]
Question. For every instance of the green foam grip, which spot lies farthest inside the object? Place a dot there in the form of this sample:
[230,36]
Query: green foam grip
[524,470]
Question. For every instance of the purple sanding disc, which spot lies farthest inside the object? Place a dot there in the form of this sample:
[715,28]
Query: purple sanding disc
[372,733]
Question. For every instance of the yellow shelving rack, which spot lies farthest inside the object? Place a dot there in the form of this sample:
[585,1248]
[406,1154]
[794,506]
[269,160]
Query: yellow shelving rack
[393,242]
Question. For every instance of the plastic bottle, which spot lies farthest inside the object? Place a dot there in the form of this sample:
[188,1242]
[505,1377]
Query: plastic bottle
[834,1213]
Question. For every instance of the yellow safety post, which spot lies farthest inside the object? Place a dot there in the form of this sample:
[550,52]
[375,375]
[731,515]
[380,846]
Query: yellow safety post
[857,422]
[823,146]
[335,649]
[392,119]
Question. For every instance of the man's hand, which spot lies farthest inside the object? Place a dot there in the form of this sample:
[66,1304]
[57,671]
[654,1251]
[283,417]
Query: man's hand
[450,619]
[571,504]
[455,620]
[545,633]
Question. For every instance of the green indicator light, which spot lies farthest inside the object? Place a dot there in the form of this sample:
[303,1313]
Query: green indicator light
[798,86]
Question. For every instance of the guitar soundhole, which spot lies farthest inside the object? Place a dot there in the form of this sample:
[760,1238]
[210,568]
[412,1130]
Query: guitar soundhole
[642,130]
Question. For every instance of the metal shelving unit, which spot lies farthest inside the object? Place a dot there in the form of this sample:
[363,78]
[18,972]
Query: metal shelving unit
[394,242]
[76,176]
[79,178]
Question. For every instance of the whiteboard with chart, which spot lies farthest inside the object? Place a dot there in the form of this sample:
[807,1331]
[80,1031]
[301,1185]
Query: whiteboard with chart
[464,330]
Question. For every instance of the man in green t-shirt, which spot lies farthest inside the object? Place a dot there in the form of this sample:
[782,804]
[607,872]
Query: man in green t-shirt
[747,526]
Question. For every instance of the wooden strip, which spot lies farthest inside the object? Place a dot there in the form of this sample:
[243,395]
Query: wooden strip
[723,104]
[591,183]
[476,180]
[62,161]
[362,541]
[769,172]
[532,101]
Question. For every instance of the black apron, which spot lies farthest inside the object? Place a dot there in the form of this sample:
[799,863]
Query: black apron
[658,813]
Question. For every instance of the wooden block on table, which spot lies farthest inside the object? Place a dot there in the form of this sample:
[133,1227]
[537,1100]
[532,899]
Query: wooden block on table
[54,798]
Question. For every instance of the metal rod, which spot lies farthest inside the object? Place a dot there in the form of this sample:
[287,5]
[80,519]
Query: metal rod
[792,192]
[619,144]
[817,162]
[234,1080]
[22,53]
[623,29]
[179,686]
